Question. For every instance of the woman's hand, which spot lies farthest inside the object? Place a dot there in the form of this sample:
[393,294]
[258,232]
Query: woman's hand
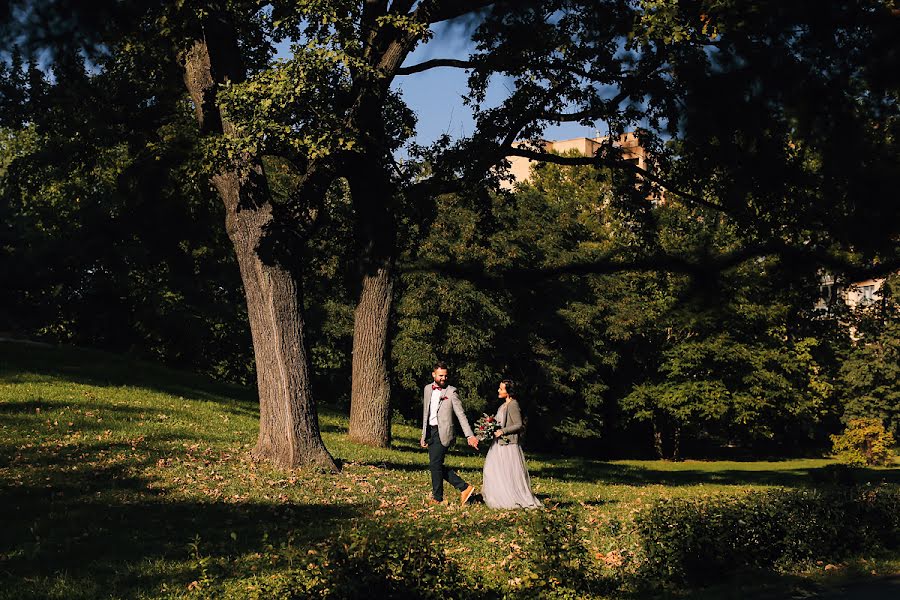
[498,433]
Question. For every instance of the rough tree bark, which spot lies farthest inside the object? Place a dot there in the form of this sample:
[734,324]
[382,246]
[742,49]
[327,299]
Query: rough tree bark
[288,429]
[370,395]
[373,196]
[370,410]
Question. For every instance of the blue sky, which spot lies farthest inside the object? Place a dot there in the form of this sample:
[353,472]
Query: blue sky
[436,95]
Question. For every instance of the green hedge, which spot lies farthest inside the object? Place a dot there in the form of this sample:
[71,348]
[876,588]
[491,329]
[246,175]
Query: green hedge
[694,541]
[372,561]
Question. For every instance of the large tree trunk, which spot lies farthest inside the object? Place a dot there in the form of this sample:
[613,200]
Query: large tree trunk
[288,428]
[370,391]
[374,195]
[370,396]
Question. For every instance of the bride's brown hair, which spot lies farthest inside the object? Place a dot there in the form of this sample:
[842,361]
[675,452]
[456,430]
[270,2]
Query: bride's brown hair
[512,388]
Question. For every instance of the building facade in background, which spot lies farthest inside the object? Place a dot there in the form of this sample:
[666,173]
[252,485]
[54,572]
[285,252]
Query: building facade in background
[632,151]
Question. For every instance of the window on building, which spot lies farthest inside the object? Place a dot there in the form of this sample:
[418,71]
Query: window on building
[866,294]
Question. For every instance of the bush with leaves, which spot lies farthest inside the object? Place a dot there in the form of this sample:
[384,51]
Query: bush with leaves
[864,442]
[373,560]
[694,541]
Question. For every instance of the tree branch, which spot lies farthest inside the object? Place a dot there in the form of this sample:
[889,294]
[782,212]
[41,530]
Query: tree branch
[435,63]
[401,7]
[669,263]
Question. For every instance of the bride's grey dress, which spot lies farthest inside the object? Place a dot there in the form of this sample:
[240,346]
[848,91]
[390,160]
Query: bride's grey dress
[506,482]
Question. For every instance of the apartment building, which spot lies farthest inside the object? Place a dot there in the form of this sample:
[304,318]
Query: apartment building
[632,151]
[858,294]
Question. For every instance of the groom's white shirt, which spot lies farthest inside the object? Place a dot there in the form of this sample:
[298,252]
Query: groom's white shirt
[435,402]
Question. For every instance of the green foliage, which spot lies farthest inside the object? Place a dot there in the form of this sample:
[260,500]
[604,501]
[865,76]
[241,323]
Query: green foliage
[371,560]
[288,108]
[863,443]
[870,374]
[744,390]
[693,541]
[561,562]
[479,326]
[111,242]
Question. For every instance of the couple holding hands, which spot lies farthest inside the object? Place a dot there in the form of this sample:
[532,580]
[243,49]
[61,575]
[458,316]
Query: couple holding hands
[506,483]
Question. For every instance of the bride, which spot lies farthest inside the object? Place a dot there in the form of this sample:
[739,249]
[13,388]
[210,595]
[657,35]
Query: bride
[506,482]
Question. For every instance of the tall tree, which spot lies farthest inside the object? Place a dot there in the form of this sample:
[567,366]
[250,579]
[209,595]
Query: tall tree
[289,428]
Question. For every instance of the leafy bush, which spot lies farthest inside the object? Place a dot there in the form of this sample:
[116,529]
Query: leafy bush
[691,541]
[372,561]
[864,442]
[561,563]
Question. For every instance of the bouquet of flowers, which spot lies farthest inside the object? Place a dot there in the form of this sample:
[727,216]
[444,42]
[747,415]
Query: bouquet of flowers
[485,428]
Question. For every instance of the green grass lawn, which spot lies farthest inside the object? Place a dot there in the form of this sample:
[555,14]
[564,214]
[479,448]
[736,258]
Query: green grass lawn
[124,479]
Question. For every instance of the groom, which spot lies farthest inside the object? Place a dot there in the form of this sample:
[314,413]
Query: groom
[440,403]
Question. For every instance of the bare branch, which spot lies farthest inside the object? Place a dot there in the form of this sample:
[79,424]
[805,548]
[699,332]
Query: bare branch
[401,7]
[435,63]
[572,117]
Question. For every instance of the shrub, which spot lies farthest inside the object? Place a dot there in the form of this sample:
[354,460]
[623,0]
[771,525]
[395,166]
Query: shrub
[561,566]
[692,541]
[371,561]
[864,442]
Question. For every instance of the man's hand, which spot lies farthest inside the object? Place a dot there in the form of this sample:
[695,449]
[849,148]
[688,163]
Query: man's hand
[473,441]
[422,443]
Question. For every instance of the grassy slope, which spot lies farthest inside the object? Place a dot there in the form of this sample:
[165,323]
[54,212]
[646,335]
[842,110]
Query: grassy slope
[125,479]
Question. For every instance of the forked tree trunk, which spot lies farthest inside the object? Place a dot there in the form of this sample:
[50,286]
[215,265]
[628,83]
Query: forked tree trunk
[288,428]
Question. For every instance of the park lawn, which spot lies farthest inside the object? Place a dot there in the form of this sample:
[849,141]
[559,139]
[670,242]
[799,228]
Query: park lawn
[124,479]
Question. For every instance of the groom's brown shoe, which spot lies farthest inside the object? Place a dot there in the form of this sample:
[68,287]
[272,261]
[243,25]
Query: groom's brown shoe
[464,495]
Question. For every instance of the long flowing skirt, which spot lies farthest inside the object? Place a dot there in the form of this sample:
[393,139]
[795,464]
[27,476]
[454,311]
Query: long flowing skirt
[506,482]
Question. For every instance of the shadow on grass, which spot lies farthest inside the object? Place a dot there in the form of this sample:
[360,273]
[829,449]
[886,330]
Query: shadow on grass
[69,516]
[618,474]
[766,585]
[87,539]
[102,369]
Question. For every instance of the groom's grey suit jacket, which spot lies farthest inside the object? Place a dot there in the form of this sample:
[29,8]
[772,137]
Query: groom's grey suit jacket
[448,406]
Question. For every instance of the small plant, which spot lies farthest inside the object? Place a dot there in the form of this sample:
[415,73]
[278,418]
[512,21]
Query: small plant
[202,564]
[865,442]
